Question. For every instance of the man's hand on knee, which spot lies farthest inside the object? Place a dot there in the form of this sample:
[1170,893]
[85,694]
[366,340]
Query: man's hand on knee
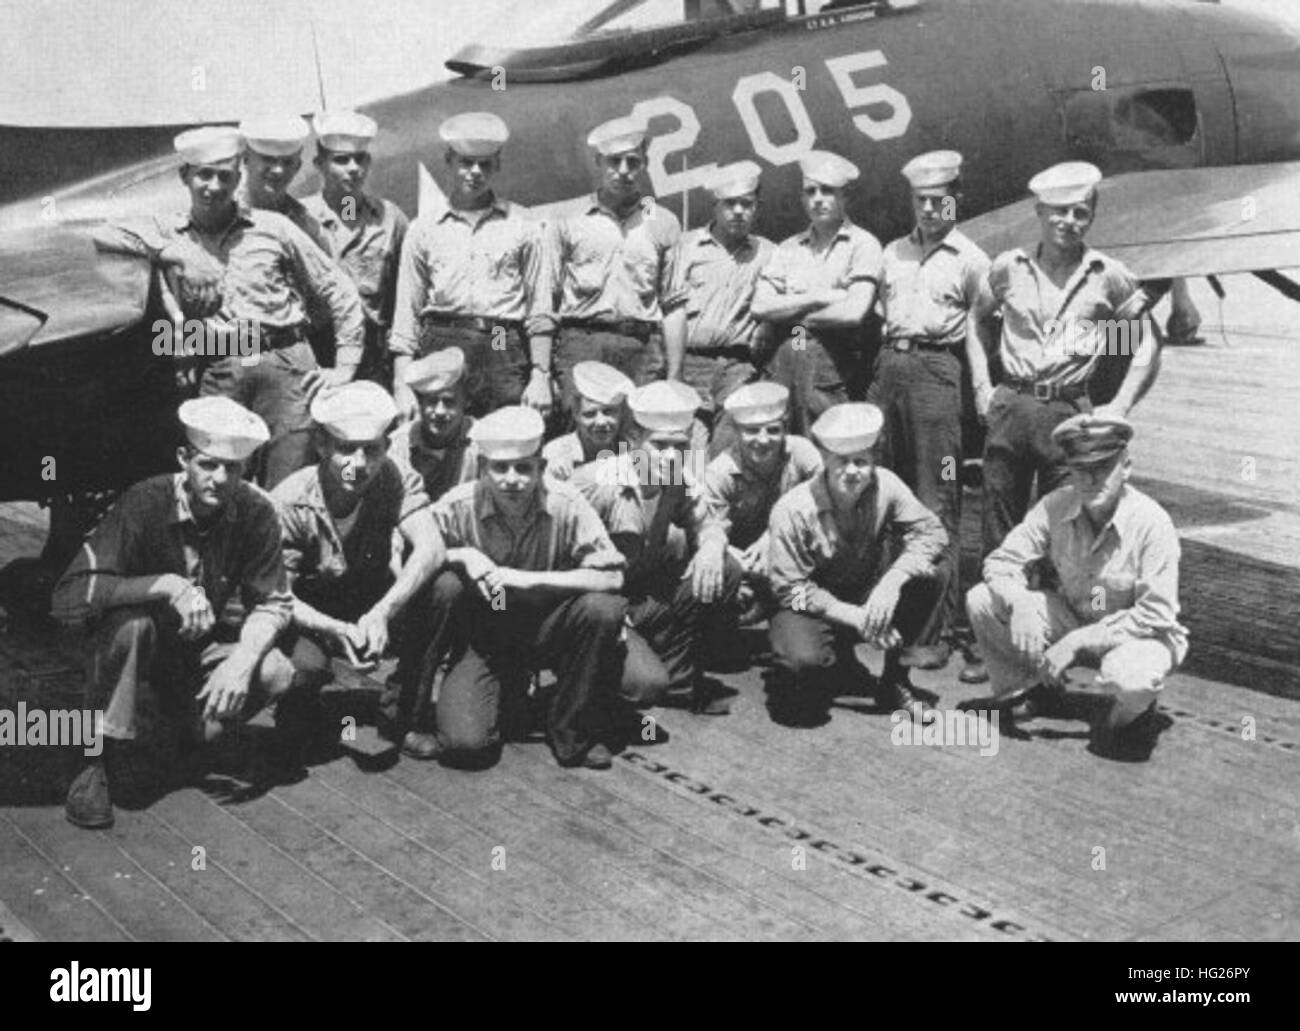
[225,692]
[1058,659]
[1028,633]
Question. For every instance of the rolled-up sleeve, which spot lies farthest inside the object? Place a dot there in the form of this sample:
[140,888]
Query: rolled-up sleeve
[143,238]
[867,262]
[714,503]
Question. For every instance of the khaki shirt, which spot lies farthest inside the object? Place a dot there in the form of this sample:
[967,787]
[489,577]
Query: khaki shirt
[736,501]
[854,256]
[717,288]
[1121,581]
[813,562]
[561,530]
[1042,336]
[471,264]
[368,251]
[269,267]
[607,269]
[150,530]
[315,550]
[929,295]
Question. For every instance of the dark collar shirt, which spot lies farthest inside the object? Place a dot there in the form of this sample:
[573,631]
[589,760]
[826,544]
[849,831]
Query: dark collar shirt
[151,530]
[736,500]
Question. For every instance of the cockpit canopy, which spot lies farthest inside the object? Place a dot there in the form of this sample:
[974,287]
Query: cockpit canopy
[568,39]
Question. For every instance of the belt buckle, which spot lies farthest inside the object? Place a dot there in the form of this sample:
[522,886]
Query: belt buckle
[1043,391]
[902,344]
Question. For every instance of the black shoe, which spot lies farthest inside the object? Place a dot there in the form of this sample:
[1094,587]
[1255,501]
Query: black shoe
[1133,742]
[927,656]
[709,698]
[89,804]
[896,693]
[420,746]
[1048,702]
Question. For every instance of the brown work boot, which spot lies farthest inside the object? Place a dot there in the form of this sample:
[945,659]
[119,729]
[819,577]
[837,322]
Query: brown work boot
[89,804]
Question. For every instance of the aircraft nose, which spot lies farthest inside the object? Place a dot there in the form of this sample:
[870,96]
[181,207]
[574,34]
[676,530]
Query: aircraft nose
[1264,72]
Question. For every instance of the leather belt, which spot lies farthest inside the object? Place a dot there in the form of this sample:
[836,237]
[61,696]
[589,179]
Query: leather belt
[273,338]
[1046,391]
[905,344]
[475,322]
[623,327]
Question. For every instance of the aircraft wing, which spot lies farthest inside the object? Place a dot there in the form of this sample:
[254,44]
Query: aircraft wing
[1178,222]
[55,286]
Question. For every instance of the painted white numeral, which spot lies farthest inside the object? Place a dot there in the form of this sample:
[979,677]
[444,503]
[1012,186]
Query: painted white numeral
[662,145]
[769,82]
[876,128]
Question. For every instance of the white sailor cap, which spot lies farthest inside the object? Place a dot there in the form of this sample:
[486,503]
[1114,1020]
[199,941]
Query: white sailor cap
[1070,182]
[617,136]
[849,428]
[274,135]
[933,169]
[600,383]
[821,166]
[344,131]
[207,144]
[359,410]
[222,428]
[440,370]
[665,406]
[474,134]
[735,180]
[509,433]
[757,404]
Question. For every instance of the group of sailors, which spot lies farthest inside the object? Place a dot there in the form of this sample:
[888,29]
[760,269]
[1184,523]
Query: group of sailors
[484,445]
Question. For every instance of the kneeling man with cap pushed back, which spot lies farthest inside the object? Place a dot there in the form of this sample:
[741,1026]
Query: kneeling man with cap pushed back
[152,581]
[532,580]
[828,549]
[435,453]
[338,518]
[1115,555]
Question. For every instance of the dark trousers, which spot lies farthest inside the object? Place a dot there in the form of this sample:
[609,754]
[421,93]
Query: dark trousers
[919,392]
[820,371]
[496,362]
[415,634]
[639,360]
[137,663]
[667,628]
[716,375]
[815,653]
[271,386]
[1018,448]
[495,650]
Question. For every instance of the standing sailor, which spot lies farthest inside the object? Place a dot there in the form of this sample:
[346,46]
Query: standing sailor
[610,265]
[363,233]
[472,276]
[930,283]
[710,335]
[254,271]
[818,289]
[272,159]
